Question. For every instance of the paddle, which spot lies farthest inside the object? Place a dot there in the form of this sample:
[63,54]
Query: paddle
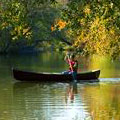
[71,69]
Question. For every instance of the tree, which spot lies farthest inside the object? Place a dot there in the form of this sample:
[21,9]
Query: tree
[94,26]
[19,22]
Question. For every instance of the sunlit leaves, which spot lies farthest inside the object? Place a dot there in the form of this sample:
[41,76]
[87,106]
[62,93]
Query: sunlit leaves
[14,20]
[58,25]
[18,18]
[20,31]
[87,9]
[94,27]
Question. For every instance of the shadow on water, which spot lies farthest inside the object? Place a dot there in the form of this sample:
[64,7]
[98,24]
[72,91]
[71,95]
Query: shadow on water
[72,84]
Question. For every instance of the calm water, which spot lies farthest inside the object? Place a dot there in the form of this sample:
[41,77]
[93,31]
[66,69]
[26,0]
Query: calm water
[59,101]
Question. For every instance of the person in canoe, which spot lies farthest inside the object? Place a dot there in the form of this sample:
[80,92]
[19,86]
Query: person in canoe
[73,65]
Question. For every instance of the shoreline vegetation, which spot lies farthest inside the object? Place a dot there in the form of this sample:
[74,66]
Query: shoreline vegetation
[87,27]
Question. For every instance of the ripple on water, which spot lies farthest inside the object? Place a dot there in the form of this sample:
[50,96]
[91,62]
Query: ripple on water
[49,102]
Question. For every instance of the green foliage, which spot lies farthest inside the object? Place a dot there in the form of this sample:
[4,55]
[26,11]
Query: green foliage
[14,20]
[24,21]
[94,26]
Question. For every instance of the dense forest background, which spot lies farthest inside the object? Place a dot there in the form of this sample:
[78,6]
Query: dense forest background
[87,26]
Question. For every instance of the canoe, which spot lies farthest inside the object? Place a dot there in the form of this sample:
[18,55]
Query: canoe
[54,77]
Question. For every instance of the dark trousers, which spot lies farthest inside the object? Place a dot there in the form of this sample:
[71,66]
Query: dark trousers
[73,73]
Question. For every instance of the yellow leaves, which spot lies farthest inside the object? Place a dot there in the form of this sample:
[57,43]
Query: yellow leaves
[95,23]
[52,28]
[3,25]
[25,30]
[87,9]
[98,27]
[15,18]
[28,35]
[82,22]
[111,5]
[20,31]
[77,43]
[98,39]
[59,24]
[112,31]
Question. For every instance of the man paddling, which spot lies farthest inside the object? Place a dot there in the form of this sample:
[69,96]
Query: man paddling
[73,65]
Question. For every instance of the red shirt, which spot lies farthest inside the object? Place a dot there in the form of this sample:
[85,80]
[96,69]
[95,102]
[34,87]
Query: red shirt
[71,64]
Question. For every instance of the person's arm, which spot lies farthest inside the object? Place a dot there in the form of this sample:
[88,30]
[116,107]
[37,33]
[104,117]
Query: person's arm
[67,57]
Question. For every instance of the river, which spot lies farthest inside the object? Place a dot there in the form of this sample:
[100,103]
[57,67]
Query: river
[59,101]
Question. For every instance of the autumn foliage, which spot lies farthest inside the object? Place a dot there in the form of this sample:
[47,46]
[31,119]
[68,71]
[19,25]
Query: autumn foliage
[58,25]
[94,27]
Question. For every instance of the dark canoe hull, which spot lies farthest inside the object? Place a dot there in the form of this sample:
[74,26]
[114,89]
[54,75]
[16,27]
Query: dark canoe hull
[54,77]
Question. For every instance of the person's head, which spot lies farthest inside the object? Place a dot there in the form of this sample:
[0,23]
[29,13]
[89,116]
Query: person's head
[72,56]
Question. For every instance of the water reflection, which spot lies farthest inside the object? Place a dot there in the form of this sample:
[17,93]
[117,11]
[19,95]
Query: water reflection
[71,92]
[53,62]
[103,101]
[50,101]
[59,101]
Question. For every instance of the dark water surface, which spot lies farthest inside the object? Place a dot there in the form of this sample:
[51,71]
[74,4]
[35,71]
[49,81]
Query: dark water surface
[59,101]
